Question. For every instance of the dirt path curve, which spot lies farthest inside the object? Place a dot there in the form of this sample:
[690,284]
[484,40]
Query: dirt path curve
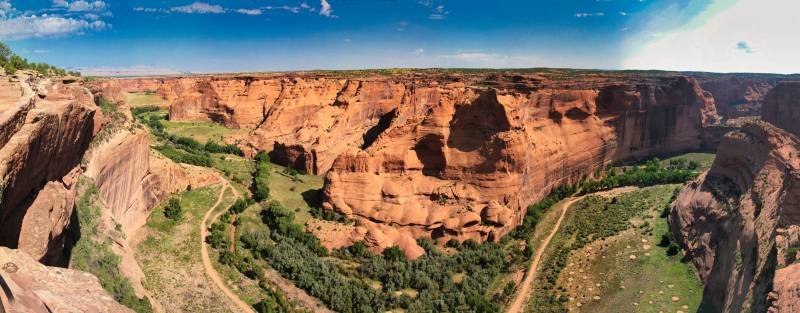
[524,292]
[210,271]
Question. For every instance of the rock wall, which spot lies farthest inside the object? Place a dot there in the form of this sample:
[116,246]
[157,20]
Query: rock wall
[738,222]
[29,286]
[462,163]
[738,96]
[782,107]
[44,138]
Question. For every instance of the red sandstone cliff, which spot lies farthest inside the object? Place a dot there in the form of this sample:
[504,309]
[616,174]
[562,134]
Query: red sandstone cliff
[28,286]
[446,156]
[460,162]
[739,221]
[45,131]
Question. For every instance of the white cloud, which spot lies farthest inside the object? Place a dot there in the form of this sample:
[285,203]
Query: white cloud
[436,16]
[80,5]
[199,8]
[250,11]
[326,9]
[711,40]
[5,9]
[22,27]
[584,14]
[419,51]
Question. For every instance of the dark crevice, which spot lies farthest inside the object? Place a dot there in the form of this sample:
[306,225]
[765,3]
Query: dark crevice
[383,124]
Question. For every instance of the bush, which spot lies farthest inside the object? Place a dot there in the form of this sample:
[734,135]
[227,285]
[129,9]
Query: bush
[173,210]
[673,249]
[213,147]
[393,254]
[181,156]
[261,178]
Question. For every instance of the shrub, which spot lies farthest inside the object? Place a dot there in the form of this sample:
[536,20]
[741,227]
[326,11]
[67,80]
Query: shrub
[173,210]
[261,178]
[673,249]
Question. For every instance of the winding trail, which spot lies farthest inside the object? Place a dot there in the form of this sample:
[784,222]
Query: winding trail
[210,271]
[524,292]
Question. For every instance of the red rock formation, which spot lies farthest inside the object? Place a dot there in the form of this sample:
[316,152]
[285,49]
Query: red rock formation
[44,137]
[28,286]
[782,107]
[459,162]
[738,96]
[444,156]
[736,221]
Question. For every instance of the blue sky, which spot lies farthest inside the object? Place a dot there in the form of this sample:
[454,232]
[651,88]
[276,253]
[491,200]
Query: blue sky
[263,35]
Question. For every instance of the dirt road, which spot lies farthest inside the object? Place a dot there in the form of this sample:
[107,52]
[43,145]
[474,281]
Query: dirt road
[210,271]
[524,292]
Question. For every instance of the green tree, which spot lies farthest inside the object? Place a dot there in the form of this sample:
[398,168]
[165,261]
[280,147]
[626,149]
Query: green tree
[173,210]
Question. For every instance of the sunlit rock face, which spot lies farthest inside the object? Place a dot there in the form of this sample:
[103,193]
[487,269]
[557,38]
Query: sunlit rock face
[446,156]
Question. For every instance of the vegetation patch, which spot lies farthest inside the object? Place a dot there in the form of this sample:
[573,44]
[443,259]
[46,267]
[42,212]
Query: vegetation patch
[92,251]
[607,245]
[169,255]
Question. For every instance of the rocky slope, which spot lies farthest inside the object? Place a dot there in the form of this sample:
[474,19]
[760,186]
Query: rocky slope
[738,222]
[44,134]
[29,286]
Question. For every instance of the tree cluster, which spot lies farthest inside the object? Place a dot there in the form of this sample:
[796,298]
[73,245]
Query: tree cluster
[11,62]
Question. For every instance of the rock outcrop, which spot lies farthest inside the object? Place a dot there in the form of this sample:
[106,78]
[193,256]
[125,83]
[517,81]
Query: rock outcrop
[738,222]
[44,135]
[782,107]
[29,286]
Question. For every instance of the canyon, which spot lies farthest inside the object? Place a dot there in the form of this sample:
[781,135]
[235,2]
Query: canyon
[420,154]
[450,156]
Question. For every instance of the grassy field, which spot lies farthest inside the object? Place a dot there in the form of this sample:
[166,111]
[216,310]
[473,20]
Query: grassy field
[203,131]
[136,99]
[290,190]
[170,256]
[611,261]
[705,159]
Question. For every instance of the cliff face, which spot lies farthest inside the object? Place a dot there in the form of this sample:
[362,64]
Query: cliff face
[463,163]
[738,223]
[44,136]
[782,107]
[29,286]
[738,96]
[445,156]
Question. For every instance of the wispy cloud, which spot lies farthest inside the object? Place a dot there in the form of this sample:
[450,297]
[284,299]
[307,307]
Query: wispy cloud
[199,8]
[250,11]
[438,10]
[402,26]
[584,14]
[208,8]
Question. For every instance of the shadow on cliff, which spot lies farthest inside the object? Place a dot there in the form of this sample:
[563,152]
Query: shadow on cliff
[72,236]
